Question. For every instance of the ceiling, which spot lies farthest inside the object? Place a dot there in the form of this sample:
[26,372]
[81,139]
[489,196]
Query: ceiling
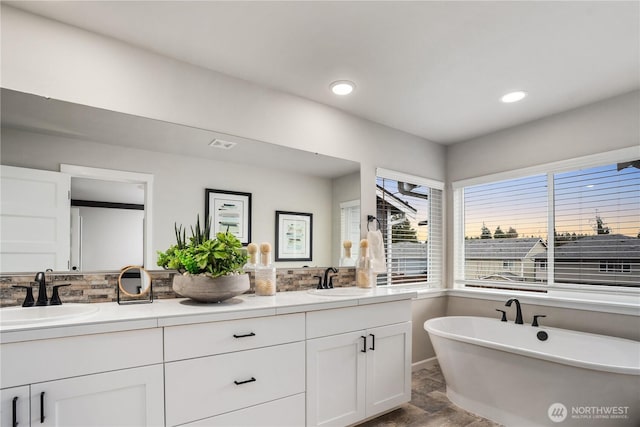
[432,69]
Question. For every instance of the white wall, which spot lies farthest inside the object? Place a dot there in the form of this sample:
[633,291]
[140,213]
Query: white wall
[603,126]
[48,58]
[179,183]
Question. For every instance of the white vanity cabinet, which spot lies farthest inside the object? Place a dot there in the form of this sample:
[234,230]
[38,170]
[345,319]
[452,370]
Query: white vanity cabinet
[358,362]
[113,379]
[14,406]
[236,372]
[128,397]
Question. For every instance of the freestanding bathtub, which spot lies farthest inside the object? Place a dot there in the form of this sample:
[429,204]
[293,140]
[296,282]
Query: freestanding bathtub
[504,372]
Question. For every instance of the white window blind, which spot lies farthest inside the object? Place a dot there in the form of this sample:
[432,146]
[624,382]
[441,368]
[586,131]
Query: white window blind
[574,227]
[409,211]
[505,231]
[597,223]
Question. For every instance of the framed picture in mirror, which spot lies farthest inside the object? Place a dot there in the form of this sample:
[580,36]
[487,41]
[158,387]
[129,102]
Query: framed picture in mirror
[230,211]
[294,236]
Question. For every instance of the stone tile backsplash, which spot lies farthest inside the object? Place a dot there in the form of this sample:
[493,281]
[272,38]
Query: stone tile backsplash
[101,287]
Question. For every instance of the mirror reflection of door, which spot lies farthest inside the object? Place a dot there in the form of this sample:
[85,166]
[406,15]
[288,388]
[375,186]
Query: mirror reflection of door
[107,224]
[34,218]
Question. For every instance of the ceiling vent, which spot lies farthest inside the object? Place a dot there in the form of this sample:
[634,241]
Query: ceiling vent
[225,145]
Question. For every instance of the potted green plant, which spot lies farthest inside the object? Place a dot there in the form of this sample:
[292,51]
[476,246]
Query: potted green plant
[210,269]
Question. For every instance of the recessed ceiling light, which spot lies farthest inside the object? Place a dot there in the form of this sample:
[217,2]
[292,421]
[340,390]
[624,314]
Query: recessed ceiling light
[342,87]
[225,145]
[513,96]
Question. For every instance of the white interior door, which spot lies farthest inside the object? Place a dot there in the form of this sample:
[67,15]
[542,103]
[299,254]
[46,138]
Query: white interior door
[34,219]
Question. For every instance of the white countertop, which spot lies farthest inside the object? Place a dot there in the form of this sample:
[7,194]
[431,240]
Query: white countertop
[111,317]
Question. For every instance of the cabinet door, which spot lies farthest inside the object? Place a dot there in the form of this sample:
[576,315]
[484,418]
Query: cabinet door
[336,379]
[388,367]
[14,407]
[129,397]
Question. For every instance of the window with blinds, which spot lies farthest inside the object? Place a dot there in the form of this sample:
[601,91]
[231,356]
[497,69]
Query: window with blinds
[597,223]
[559,229]
[505,231]
[350,227]
[409,214]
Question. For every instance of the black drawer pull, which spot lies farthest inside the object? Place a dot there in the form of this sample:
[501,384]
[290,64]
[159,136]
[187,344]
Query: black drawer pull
[250,334]
[14,407]
[373,342]
[245,381]
[364,346]
[42,407]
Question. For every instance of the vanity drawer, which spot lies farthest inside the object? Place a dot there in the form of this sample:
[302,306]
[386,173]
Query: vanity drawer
[30,362]
[322,323]
[287,412]
[205,339]
[208,386]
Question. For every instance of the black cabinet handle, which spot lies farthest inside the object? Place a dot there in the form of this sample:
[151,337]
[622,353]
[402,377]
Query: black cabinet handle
[364,346]
[250,334]
[245,381]
[14,407]
[373,342]
[42,407]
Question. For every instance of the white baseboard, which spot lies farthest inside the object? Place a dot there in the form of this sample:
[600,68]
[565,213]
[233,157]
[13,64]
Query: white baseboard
[426,363]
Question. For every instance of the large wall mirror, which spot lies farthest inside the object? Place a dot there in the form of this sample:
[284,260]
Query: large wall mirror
[116,162]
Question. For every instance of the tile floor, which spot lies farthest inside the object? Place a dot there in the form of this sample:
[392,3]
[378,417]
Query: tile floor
[429,406]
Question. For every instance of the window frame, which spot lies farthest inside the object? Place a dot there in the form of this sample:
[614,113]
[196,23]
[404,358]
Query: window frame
[439,283]
[346,231]
[552,288]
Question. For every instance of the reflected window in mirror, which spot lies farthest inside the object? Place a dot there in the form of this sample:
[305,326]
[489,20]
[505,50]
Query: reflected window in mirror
[350,229]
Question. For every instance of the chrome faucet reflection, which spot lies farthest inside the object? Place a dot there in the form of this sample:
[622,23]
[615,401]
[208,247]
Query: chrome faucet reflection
[518,310]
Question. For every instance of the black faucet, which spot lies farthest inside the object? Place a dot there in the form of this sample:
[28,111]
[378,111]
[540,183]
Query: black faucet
[326,282]
[42,290]
[518,310]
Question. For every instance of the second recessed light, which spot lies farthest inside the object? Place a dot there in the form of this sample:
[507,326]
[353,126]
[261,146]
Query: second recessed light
[513,96]
[342,87]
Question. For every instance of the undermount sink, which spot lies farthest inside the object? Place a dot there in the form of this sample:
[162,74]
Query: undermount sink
[340,292]
[12,316]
